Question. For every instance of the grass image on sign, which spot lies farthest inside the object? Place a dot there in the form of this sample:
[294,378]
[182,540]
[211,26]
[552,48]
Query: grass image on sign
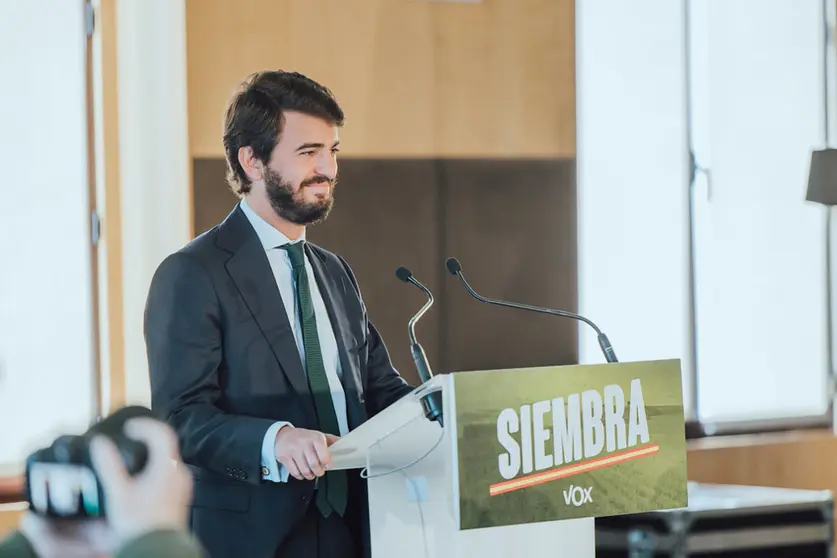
[563,442]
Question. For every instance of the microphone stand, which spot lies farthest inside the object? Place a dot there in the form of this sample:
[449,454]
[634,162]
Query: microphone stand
[454,268]
[432,402]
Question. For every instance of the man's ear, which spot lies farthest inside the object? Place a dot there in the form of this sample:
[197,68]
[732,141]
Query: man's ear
[253,167]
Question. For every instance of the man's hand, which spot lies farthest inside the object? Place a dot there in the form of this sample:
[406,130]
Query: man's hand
[304,453]
[158,497]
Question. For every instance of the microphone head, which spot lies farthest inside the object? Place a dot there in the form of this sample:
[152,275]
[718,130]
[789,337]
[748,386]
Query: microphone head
[453,266]
[403,273]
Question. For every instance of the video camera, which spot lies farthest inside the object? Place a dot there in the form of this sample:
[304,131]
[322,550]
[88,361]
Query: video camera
[60,480]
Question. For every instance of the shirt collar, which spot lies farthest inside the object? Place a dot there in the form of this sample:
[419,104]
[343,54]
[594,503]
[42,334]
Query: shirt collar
[269,236]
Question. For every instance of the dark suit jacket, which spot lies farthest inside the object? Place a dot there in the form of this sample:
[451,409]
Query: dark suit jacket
[224,366]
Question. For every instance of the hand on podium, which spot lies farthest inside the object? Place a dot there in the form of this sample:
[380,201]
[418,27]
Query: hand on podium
[303,452]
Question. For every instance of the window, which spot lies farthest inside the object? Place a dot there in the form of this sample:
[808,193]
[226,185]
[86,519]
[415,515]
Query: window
[47,343]
[757,111]
[742,85]
[633,172]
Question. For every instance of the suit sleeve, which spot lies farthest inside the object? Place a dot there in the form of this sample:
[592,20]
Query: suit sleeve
[183,335]
[385,385]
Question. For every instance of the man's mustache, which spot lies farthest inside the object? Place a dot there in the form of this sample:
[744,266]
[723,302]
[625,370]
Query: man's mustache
[318,180]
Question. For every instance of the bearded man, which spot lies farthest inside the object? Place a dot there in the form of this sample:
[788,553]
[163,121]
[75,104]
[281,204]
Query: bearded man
[261,353]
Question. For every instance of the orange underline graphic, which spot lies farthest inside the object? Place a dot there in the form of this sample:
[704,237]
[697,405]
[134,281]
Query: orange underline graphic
[570,470]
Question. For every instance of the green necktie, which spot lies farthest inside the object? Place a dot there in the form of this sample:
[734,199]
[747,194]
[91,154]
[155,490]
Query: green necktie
[332,493]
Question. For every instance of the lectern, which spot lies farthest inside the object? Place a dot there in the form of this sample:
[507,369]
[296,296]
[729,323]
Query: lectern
[525,460]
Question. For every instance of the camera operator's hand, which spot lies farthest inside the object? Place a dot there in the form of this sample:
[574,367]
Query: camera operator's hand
[157,498]
[57,538]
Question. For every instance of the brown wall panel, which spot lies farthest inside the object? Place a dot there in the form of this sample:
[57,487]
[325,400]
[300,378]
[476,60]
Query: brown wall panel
[416,78]
[512,226]
[385,215]
[510,222]
[212,199]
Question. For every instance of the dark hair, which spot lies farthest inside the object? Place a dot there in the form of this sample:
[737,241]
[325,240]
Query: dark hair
[254,116]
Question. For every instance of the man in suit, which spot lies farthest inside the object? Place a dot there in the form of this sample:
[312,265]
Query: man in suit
[260,349]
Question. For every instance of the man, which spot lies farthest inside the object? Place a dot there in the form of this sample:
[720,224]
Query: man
[260,349]
[146,514]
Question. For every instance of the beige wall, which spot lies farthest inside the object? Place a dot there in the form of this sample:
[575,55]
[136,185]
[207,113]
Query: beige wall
[154,167]
[416,79]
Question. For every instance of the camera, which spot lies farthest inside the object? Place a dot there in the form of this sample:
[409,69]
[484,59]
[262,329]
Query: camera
[60,480]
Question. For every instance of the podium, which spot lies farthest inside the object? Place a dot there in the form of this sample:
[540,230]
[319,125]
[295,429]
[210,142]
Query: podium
[526,459]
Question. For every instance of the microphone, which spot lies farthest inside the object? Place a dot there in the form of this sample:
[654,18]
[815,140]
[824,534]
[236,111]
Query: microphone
[432,402]
[454,268]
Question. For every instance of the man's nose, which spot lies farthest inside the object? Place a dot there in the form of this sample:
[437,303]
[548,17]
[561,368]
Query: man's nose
[327,166]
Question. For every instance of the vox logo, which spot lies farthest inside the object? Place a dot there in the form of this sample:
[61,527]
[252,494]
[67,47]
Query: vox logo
[577,495]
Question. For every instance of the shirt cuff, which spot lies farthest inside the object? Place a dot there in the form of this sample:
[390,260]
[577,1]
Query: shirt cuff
[272,470]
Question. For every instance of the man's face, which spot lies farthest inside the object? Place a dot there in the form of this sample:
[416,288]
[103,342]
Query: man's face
[300,177]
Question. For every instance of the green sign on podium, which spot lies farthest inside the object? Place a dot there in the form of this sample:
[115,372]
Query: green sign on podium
[563,442]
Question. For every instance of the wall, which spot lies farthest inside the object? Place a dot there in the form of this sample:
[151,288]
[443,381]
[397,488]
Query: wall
[417,79]
[154,173]
[460,125]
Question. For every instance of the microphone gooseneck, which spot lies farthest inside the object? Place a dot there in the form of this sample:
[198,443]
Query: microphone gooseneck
[406,275]
[455,268]
[431,402]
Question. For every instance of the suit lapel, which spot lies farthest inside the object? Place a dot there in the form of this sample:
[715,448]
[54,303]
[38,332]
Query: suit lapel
[250,271]
[334,293]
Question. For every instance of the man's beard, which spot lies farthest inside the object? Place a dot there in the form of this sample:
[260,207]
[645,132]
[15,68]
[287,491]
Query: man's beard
[291,205]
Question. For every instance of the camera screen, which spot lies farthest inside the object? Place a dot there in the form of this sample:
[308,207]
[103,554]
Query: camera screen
[63,489]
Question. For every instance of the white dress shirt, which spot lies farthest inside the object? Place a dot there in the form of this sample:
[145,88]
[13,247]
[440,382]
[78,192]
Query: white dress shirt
[272,240]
